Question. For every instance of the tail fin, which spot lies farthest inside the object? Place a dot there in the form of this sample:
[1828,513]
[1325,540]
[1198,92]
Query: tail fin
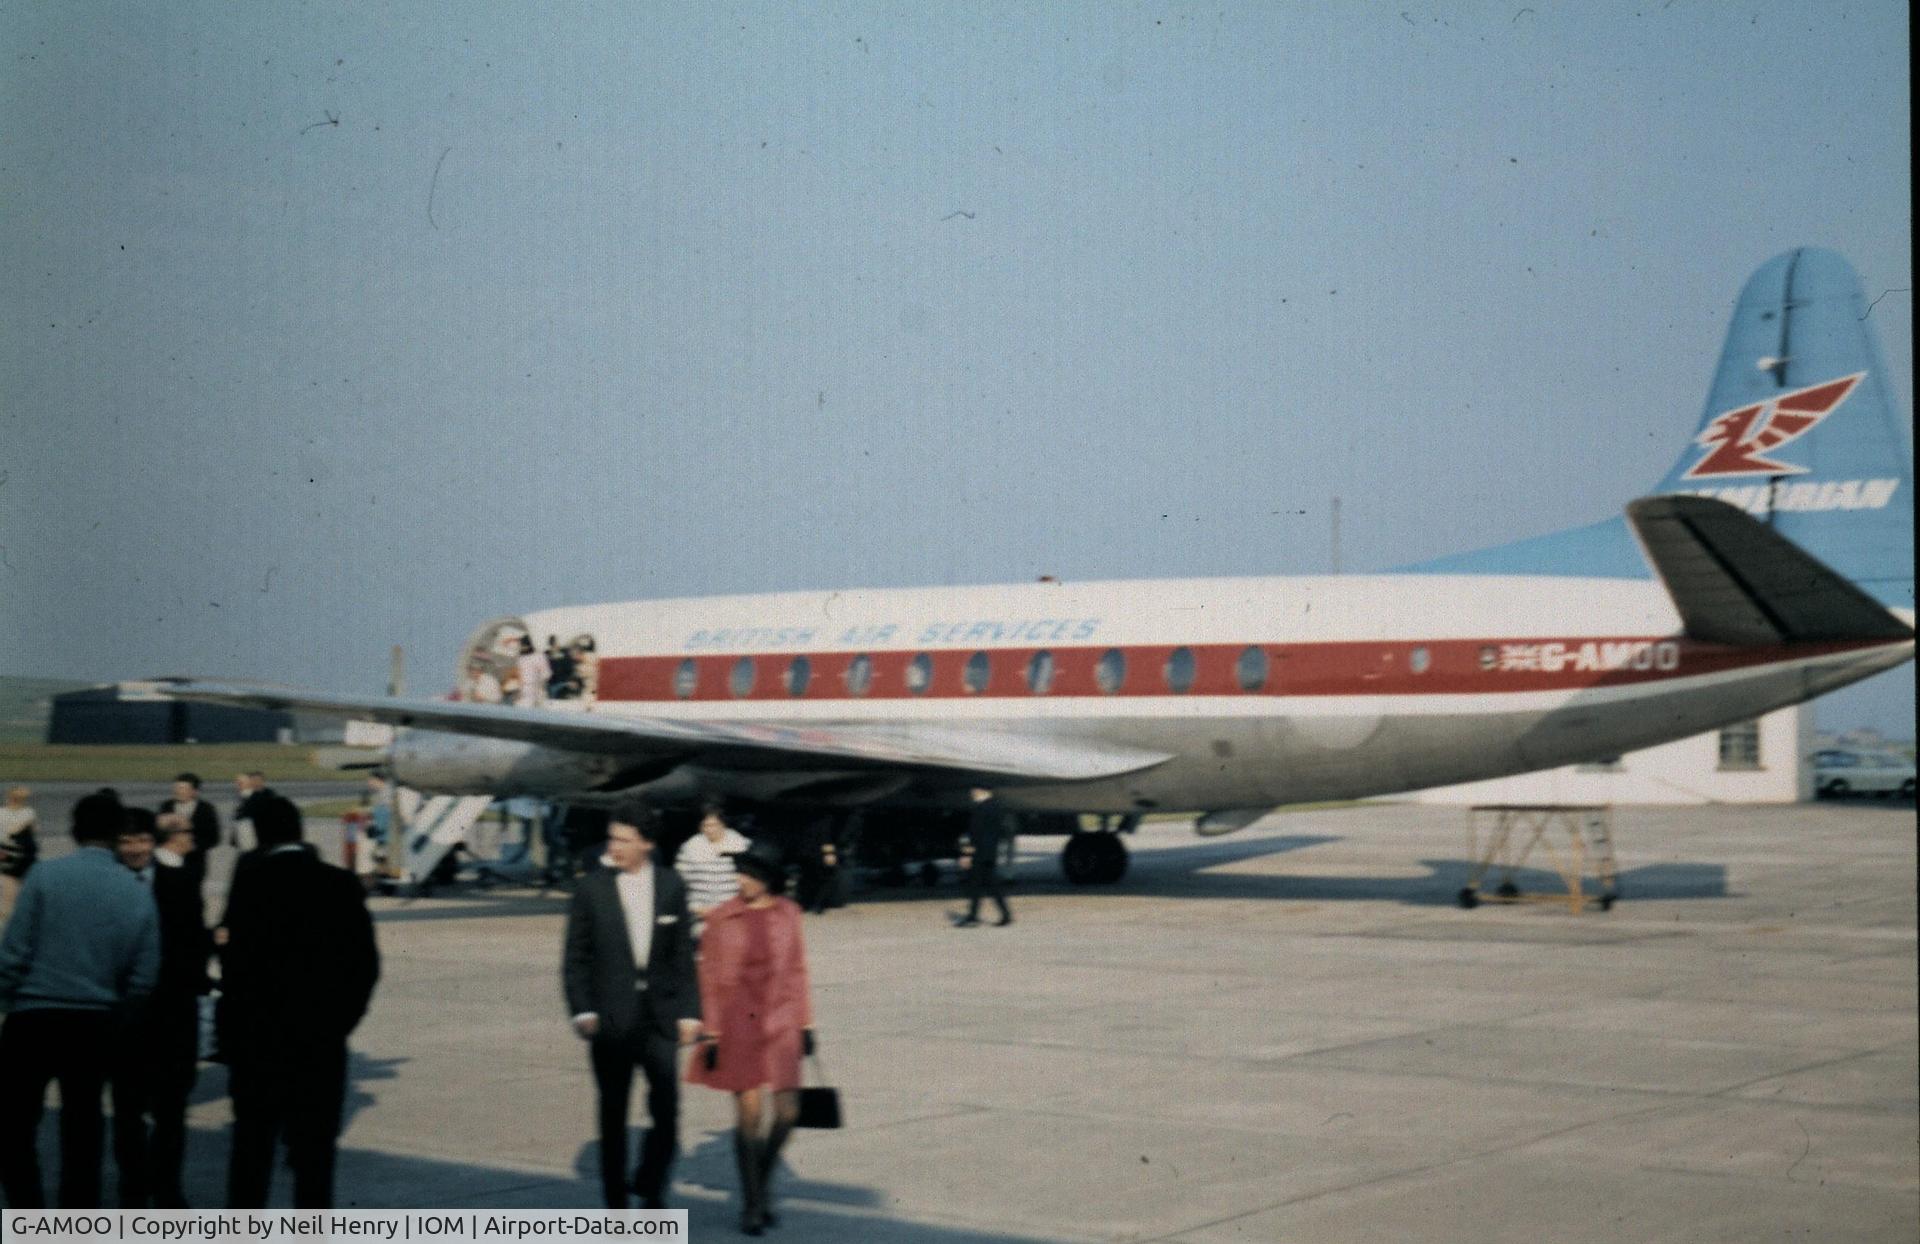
[1799,428]
[1799,431]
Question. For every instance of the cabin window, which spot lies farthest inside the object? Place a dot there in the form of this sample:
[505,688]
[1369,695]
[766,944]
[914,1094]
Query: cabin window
[740,682]
[860,675]
[1040,673]
[686,678]
[979,670]
[1110,674]
[1180,671]
[1419,660]
[799,674]
[1250,671]
[1740,746]
[920,674]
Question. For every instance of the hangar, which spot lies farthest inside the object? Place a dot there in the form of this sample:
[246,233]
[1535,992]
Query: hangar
[116,715]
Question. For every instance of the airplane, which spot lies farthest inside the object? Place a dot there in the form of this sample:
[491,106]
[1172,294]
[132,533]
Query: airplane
[1772,564]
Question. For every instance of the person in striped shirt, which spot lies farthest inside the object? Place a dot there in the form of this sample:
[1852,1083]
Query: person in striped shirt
[705,863]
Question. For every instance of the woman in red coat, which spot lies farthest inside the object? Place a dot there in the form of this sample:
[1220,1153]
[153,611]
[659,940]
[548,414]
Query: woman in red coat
[759,1020]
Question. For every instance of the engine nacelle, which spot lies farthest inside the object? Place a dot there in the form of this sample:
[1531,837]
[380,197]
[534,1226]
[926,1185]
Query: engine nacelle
[455,764]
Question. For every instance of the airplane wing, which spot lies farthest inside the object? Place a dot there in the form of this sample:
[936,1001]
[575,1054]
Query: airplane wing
[955,751]
[1737,581]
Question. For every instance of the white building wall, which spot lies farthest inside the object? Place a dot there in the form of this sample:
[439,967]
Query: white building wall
[1686,771]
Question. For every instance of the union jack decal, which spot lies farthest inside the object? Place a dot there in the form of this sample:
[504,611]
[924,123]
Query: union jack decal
[1737,441]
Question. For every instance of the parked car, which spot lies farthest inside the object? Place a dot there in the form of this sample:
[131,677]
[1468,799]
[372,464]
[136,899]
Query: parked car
[1837,772]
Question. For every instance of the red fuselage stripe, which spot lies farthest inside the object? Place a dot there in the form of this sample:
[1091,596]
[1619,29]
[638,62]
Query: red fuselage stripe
[1436,667]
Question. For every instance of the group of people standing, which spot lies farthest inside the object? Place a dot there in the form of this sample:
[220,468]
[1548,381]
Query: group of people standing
[516,672]
[106,957]
[103,965]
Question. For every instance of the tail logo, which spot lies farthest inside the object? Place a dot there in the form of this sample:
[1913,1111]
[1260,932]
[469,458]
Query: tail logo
[1737,441]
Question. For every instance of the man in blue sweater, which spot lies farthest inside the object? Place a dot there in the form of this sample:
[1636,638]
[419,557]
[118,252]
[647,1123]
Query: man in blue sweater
[80,954]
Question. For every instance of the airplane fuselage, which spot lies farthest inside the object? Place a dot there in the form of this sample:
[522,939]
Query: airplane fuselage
[1262,691]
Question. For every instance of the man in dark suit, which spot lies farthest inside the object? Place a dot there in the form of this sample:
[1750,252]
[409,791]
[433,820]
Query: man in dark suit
[980,858]
[298,969]
[253,790]
[205,821]
[158,1054]
[632,995]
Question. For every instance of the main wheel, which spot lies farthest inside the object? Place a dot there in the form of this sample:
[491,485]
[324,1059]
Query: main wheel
[1838,789]
[1093,858]
[1113,858]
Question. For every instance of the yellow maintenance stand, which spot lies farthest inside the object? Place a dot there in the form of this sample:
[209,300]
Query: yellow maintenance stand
[1577,839]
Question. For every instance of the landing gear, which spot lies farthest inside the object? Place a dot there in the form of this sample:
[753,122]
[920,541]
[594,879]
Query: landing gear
[1093,858]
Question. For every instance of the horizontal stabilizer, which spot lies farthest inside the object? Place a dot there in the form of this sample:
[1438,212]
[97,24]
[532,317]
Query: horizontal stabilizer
[1736,581]
[955,752]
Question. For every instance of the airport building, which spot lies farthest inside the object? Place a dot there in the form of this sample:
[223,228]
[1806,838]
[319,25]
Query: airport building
[113,714]
[1768,760]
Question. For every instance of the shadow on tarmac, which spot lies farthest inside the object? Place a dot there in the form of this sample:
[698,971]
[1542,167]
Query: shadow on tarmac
[1186,873]
[706,1165]
[211,1084]
[704,1187]
[462,902]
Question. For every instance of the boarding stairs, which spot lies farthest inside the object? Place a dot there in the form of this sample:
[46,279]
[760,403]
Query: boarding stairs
[434,827]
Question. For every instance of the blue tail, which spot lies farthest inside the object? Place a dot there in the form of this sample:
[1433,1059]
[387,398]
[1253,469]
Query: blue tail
[1798,430]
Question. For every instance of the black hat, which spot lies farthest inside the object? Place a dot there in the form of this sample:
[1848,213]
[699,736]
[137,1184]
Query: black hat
[763,862]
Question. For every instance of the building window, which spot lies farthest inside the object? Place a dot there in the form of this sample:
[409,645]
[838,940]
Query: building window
[920,674]
[1111,672]
[740,682]
[979,670]
[1250,671]
[799,674]
[686,678]
[1180,671]
[860,675]
[1740,746]
[1040,673]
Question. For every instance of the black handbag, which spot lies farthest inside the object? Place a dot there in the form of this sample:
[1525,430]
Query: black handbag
[819,1105]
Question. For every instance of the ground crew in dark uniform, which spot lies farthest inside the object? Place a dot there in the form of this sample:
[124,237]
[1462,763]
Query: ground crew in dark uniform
[819,867]
[980,858]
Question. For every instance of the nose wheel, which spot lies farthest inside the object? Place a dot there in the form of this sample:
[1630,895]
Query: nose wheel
[1097,858]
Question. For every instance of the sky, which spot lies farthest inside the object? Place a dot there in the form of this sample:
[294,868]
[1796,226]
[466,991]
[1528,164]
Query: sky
[330,327]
